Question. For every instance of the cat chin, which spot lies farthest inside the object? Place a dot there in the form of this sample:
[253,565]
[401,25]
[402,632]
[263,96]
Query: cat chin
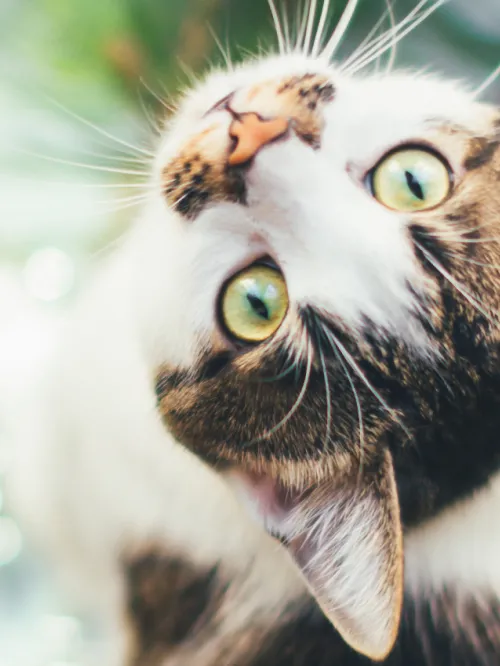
[266,500]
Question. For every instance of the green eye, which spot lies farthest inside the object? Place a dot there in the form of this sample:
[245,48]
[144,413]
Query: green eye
[254,303]
[411,179]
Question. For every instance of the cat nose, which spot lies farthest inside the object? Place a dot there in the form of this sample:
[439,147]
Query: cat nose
[250,132]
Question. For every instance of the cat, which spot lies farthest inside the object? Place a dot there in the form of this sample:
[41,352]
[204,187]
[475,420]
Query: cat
[271,431]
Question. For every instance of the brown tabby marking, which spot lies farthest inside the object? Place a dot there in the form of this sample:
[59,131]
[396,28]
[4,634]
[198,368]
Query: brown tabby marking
[200,173]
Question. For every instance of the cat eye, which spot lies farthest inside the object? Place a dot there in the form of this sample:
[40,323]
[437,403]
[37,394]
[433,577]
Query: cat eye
[411,179]
[254,303]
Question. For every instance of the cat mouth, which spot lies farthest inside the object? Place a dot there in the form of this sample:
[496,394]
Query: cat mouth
[267,500]
[344,535]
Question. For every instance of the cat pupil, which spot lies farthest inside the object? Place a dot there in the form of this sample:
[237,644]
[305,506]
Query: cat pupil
[258,306]
[414,185]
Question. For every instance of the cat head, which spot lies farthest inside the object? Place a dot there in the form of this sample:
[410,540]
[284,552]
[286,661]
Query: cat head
[323,298]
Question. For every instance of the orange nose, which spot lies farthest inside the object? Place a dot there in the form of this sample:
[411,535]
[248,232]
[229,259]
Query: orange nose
[253,133]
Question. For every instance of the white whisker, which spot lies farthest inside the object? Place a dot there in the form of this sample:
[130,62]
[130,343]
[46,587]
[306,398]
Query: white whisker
[366,43]
[112,201]
[224,51]
[350,360]
[120,158]
[455,283]
[320,30]
[486,84]
[391,40]
[310,25]
[102,131]
[355,395]
[84,186]
[169,107]
[327,395]
[340,30]
[459,257]
[277,26]
[302,24]
[118,209]
[150,118]
[372,50]
[392,21]
[300,397]
[286,29]
[83,165]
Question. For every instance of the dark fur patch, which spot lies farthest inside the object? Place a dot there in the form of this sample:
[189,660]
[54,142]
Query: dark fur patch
[482,151]
[175,606]
[425,241]
[442,631]
[167,598]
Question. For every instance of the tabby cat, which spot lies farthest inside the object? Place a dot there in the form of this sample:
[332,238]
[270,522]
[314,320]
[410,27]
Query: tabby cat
[273,434]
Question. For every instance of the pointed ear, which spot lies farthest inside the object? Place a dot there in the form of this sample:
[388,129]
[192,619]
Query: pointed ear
[346,538]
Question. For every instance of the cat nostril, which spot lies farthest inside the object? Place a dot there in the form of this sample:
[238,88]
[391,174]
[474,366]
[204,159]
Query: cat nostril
[250,133]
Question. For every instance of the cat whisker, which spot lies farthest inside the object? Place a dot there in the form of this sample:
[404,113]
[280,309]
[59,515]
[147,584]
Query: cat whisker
[103,132]
[225,52]
[294,351]
[178,201]
[278,27]
[320,29]
[369,46]
[121,159]
[189,73]
[96,186]
[83,165]
[301,23]
[356,399]
[488,82]
[300,397]
[350,360]
[394,45]
[286,29]
[373,50]
[367,41]
[460,236]
[123,204]
[171,108]
[392,37]
[327,394]
[455,283]
[134,197]
[151,120]
[310,25]
[341,29]
[459,257]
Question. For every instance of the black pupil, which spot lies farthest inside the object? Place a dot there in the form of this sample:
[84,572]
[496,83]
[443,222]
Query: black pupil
[258,306]
[414,185]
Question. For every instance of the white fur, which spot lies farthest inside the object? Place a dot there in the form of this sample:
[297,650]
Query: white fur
[460,547]
[98,473]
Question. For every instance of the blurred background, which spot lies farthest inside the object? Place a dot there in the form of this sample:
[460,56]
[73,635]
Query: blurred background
[83,86]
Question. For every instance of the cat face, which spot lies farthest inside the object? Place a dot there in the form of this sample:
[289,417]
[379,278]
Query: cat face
[329,311]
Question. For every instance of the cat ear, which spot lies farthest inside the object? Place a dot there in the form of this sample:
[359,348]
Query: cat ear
[346,539]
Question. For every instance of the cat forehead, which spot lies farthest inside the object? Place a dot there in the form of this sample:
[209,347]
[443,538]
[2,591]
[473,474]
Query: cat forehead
[400,102]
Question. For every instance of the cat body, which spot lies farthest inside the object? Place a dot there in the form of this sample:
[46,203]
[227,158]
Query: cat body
[361,432]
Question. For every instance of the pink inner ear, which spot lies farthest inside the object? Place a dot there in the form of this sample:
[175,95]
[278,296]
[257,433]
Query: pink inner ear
[345,537]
